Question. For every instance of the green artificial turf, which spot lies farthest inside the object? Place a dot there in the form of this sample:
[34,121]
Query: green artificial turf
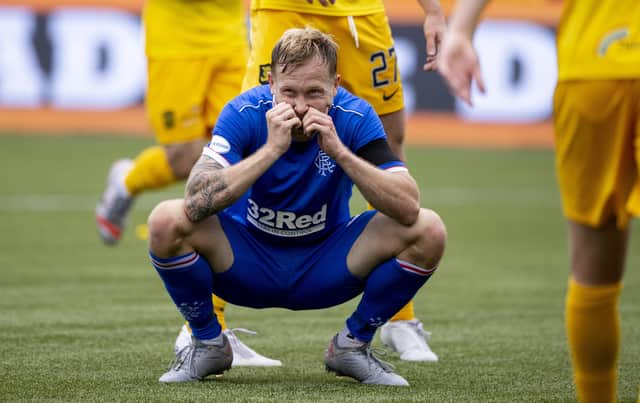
[83,322]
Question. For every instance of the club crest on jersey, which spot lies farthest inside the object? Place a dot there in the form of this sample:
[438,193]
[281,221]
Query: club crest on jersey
[263,75]
[168,118]
[324,163]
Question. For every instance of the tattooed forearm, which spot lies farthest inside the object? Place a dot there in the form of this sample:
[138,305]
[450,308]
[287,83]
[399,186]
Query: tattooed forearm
[206,190]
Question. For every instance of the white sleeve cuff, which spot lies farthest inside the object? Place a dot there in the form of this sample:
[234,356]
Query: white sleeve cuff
[217,157]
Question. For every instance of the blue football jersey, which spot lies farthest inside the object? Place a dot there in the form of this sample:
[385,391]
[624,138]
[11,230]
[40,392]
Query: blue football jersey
[304,193]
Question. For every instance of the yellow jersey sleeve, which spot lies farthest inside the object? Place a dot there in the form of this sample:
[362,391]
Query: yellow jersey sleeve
[341,8]
[184,28]
[599,39]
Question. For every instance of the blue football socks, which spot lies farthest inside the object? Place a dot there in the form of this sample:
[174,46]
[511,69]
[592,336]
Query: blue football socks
[188,280]
[389,287]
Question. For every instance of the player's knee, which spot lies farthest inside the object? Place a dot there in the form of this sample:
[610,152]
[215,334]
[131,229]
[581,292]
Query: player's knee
[432,238]
[165,226]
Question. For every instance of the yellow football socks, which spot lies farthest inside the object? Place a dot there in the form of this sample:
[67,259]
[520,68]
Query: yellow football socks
[218,310]
[151,170]
[593,332]
[406,313]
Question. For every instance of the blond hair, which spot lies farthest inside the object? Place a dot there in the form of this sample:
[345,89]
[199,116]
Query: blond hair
[299,45]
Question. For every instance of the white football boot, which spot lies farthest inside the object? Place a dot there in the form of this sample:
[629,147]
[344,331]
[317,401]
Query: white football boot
[409,339]
[113,208]
[243,355]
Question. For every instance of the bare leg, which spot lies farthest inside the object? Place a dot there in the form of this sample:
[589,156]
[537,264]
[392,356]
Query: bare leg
[597,254]
[182,156]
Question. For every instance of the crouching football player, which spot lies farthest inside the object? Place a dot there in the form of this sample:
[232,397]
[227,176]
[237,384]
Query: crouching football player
[265,219]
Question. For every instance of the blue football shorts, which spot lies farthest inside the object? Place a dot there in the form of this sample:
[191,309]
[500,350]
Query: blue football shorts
[266,275]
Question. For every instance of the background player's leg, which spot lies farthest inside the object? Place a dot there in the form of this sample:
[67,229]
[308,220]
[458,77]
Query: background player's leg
[394,125]
[243,355]
[218,308]
[176,111]
[160,166]
[404,332]
[592,317]
[595,131]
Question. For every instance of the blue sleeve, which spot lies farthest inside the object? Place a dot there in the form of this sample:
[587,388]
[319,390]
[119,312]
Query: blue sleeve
[230,136]
[370,135]
[367,129]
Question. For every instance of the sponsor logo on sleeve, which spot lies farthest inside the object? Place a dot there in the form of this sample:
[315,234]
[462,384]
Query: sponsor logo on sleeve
[219,144]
